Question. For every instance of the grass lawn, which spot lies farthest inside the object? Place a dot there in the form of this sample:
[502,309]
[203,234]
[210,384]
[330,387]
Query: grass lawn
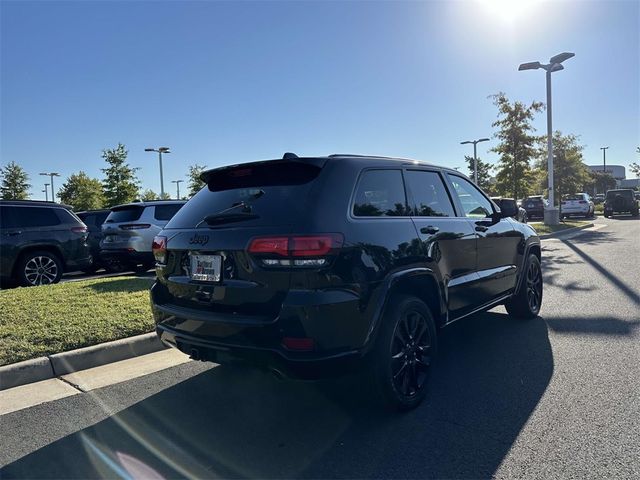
[39,321]
[543,229]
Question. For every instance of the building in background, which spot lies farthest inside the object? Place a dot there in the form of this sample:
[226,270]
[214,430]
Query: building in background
[619,173]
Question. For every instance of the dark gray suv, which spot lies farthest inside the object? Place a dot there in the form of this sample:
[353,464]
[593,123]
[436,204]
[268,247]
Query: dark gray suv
[39,241]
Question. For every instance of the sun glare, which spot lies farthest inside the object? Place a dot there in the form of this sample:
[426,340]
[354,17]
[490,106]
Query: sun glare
[508,10]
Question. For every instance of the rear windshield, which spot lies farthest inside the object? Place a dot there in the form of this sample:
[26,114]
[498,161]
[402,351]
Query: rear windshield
[533,200]
[621,193]
[574,197]
[125,214]
[166,212]
[275,193]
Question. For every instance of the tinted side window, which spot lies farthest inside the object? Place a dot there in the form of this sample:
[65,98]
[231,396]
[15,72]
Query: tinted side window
[474,203]
[36,217]
[166,212]
[66,216]
[7,217]
[380,193]
[429,195]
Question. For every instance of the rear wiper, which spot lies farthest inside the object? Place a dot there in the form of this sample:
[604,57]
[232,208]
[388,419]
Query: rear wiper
[220,217]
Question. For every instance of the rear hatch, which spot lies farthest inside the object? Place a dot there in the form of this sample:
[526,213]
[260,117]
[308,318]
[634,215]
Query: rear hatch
[123,227]
[207,265]
[574,203]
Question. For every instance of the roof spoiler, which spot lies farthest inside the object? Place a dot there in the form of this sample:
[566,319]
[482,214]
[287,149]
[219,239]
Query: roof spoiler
[287,157]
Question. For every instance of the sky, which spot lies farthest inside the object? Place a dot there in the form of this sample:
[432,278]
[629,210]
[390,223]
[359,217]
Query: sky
[228,82]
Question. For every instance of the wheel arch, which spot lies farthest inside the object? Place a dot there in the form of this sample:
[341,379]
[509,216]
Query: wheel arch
[37,248]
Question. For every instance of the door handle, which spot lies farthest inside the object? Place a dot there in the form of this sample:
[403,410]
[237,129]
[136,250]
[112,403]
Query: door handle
[429,230]
[481,228]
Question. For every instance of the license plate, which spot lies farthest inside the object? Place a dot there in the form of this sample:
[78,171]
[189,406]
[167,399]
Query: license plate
[206,268]
[529,205]
[110,238]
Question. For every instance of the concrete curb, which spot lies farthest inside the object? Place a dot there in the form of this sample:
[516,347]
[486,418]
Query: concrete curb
[566,230]
[44,368]
[29,371]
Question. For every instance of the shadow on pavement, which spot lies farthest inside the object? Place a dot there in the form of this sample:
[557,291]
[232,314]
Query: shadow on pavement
[593,325]
[229,422]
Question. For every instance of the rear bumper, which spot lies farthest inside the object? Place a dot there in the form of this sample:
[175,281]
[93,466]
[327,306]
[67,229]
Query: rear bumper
[330,318]
[126,256]
[312,366]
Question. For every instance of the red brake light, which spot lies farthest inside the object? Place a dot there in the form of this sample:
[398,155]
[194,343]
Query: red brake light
[135,226]
[314,246]
[159,248]
[277,245]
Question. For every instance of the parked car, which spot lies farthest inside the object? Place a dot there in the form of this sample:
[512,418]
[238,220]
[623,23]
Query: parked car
[535,206]
[621,201]
[311,267]
[94,219]
[129,230]
[39,241]
[598,198]
[577,205]
[511,203]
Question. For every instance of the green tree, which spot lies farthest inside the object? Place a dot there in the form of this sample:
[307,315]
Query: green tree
[570,174]
[82,192]
[484,172]
[600,182]
[15,182]
[120,183]
[514,176]
[195,184]
[148,195]
[635,166]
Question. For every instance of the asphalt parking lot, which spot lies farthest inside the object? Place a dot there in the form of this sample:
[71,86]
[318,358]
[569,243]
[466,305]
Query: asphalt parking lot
[555,397]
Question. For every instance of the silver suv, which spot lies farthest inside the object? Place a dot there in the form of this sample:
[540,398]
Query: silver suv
[128,233]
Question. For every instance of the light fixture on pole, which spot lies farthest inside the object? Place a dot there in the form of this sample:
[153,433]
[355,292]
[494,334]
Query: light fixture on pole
[177,182]
[53,192]
[46,192]
[160,151]
[475,156]
[551,214]
[604,159]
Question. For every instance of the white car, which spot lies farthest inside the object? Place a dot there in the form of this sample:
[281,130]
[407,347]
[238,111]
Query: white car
[578,204]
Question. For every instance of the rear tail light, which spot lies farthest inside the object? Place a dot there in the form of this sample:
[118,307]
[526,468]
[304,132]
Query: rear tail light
[79,229]
[135,226]
[296,250]
[159,248]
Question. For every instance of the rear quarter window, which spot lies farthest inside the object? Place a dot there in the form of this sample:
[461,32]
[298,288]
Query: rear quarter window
[380,193]
[27,217]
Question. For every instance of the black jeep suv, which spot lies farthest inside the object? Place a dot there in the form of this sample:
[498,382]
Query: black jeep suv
[621,201]
[39,241]
[314,266]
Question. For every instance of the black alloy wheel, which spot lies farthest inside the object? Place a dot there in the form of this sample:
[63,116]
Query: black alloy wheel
[410,353]
[527,300]
[405,348]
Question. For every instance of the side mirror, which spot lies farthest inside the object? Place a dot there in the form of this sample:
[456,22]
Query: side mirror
[508,208]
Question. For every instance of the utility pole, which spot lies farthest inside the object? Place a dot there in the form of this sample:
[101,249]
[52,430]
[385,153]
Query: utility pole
[475,157]
[52,174]
[177,182]
[160,151]
[46,192]
[551,214]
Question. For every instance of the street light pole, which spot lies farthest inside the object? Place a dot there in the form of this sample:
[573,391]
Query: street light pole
[46,192]
[475,156]
[551,214]
[160,151]
[52,174]
[177,182]
[604,159]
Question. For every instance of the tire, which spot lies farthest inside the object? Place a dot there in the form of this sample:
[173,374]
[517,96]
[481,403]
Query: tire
[405,348]
[39,267]
[526,302]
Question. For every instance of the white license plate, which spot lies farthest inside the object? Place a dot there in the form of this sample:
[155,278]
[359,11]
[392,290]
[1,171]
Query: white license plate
[110,238]
[206,268]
